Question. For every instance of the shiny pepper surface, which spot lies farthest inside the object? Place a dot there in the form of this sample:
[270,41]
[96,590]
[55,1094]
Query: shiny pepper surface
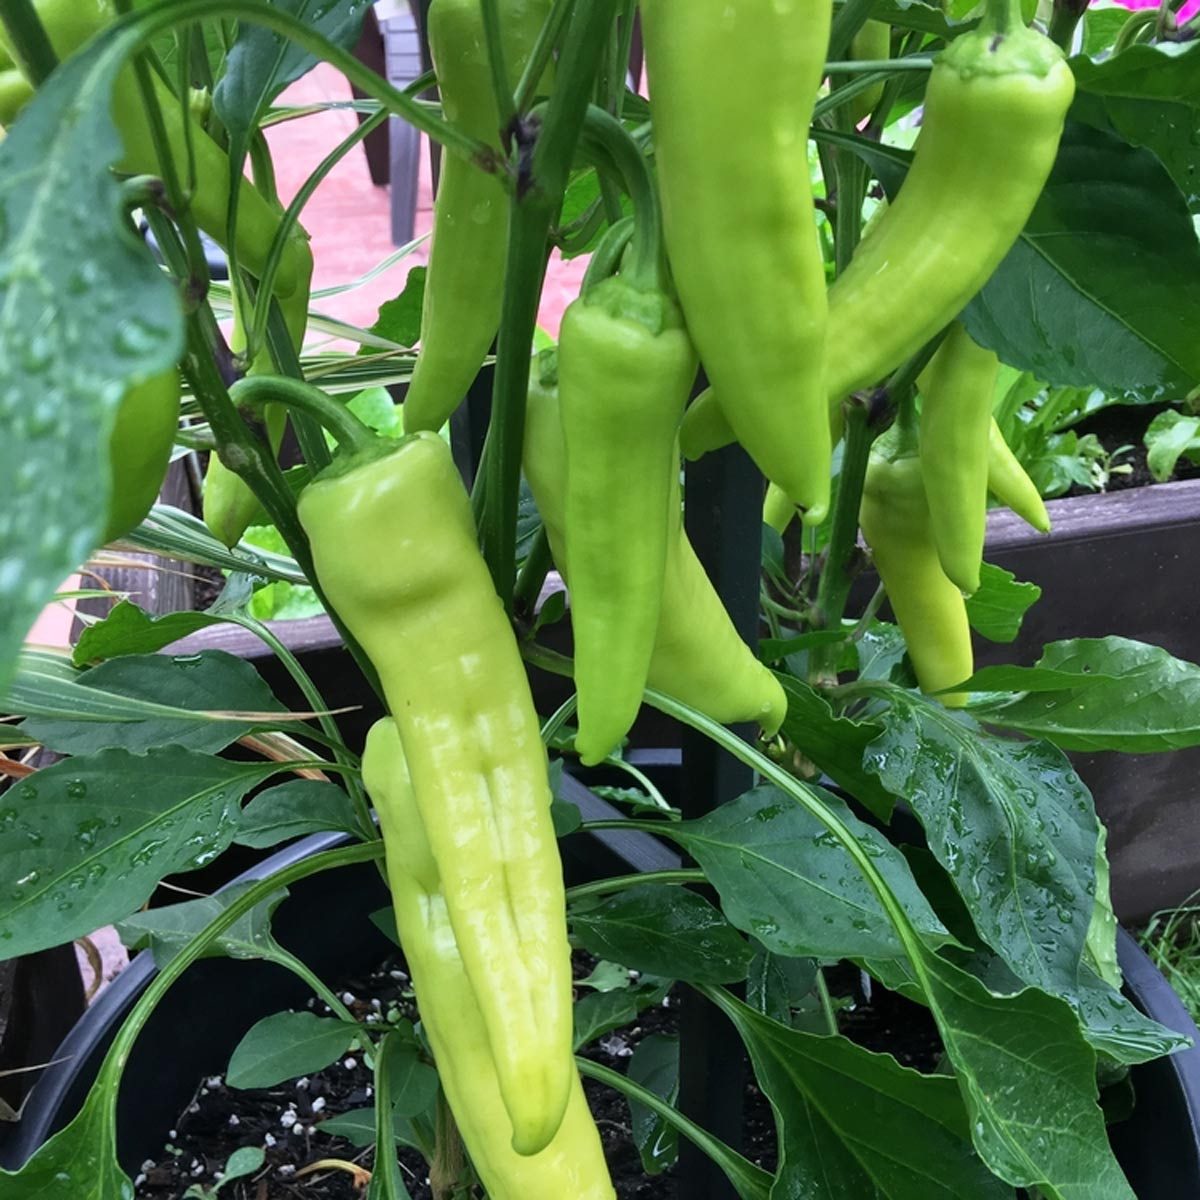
[929,609]
[994,112]
[465,283]
[625,366]
[732,89]
[140,450]
[957,389]
[572,1166]
[394,548]
[1009,483]
[699,657]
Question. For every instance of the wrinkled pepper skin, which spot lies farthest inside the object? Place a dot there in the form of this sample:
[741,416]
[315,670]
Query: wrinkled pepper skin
[957,390]
[572,1165]
[465,282]
[994,112]
[140,450]
[734,87]
[699,657]
[1009,483]
[929,609]
[394,547]
[623,382]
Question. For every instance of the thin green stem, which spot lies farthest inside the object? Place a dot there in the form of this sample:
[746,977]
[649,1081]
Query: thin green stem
[834,588]
[826,1000]
[543,51]
[27,36]
[561,715]
[320,988]
[499,67]
[1002,16]
[618,883]
[655,795]
[611,148]
[255,390]
[1065,16]
[533,574]
[536,203]
[606,258]
[1132,27]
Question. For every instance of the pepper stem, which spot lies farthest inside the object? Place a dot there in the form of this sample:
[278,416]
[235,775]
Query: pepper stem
[613,152]
[606,259]
[351,434]
[1002,16]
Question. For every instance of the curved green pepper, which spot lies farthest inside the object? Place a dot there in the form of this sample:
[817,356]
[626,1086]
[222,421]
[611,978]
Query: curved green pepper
[394,547]
[994,112]
[465,281]
[957,390]
[572,1165]
[1009,483]
[625,366]
[140,450]
[699,657]
[928,608]
[733,96]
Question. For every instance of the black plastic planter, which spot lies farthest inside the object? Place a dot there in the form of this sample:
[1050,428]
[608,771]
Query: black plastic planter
[204,1015]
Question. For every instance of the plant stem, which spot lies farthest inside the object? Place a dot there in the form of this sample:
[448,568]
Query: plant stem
[254,390]
[1064,20]
[618,883]
[499,68]
[836,579]
[320,988]
[543,50]
[533,574]
[826,1003]
[27,36]
[851,17]
[542,179]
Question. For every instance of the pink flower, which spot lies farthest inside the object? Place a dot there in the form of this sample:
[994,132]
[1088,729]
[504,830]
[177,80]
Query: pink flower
[1188,11]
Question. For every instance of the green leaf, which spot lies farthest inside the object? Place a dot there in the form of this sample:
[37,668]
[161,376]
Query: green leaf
[1103,287]
[857,1124]
[1146,95]
[130,630]
[1127,696]
[776,984]
[1101,24]
[399,320]
[1102,932]
[358,1128]
[664,930]
[566,816]
[1168,437]
[245,1160]
[412,1082]
[83,843]
[1029,1082]
[261,62]
[773,649]
[141,701]
[285,1045]
[1011,823]
[77,1163]
[165,931]
[85,313]
[598,1013]
[655,1065]
[834,744]
[785,878]
[997,609]
[295,809]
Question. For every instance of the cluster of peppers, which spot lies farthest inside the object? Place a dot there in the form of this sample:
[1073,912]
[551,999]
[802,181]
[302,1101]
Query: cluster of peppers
[458,772]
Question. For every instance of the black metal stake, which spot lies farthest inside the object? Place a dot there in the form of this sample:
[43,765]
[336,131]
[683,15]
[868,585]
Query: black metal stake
[724,522]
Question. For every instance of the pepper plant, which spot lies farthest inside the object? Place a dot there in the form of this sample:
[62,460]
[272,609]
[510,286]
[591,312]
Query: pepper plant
[1043,221]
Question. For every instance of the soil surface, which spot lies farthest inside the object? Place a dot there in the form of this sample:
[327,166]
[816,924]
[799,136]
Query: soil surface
[286,1120]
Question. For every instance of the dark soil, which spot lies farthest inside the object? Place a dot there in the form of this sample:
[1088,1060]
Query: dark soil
[1125,425]
[286,1120]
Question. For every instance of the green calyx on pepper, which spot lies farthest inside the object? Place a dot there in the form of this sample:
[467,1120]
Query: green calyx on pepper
[452,1015]
[428,617]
